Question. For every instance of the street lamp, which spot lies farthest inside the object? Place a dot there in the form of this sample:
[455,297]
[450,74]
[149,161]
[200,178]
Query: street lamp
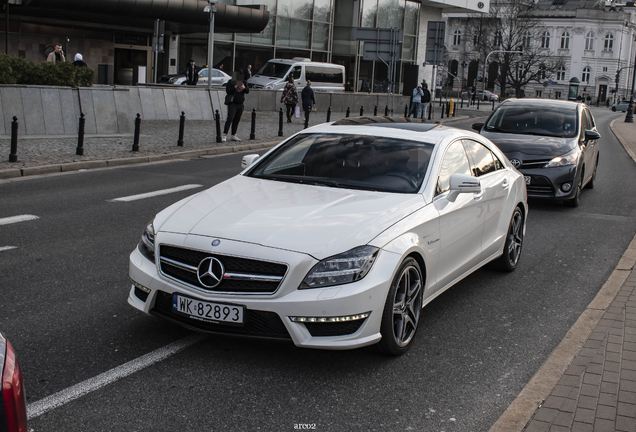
[483,76]
[211,9]
[629,117]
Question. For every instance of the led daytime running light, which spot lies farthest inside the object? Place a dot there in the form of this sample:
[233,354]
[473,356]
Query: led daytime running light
[141,287]
[330,319]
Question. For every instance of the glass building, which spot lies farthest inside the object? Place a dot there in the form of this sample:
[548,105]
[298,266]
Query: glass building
[315,29]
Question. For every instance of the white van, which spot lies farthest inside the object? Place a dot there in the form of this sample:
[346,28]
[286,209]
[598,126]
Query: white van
[324,77]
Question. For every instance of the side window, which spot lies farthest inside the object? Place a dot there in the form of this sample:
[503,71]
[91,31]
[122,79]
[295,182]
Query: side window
[590,119]
[455,161]
[296,71]
[203,73]
[584,124]
[483,159]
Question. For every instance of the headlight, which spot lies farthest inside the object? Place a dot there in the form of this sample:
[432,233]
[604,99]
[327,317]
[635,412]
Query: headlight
[173,80]
[147,243]
[341,269]
[565,160]
[269,87]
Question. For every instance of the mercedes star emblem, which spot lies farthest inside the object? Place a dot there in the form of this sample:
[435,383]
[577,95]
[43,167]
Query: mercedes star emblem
[210,272]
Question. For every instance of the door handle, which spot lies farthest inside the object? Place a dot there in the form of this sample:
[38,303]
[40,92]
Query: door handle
[478,195]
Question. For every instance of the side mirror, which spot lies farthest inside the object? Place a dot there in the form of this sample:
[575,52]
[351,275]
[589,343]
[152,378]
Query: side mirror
[248,160]
[592,135]
[462,183]
[477,126]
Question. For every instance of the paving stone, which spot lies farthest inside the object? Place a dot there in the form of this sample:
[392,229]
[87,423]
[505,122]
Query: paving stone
[557,428]
[594,369]
[602,425]
[582,427]
[627,424]
[608,399]
[590,390]
[611,366]
[626,410]
[607,387]
[592,379]
[605,412]
[537,426]
[569,406]
[627,397]
[575,370]
[628,375]
[545,414]
[588,402]
[584,415]
[628,386]
[563,419]
[554,402]
[611,377]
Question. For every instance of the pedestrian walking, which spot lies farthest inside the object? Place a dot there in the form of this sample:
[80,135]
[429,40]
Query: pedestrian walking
[192,73]
[248,72]
[79,61]
[234,99]
[426,100]
[415,101]
[57,55]
[308,99]
[290,97]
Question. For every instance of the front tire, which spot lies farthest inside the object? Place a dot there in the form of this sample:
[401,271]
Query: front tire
[614,109]
[514,243]
[574,202]
[402,309]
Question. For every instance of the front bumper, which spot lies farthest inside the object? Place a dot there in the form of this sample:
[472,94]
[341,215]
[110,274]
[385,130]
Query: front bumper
[268,315]
[547,182]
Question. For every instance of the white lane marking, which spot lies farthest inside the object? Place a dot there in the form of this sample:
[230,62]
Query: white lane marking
[6,248]
[65,396]
[156,193]
[15,219]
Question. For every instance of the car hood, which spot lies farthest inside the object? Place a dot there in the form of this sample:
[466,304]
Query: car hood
[316,220]
[264,80]
[530,144]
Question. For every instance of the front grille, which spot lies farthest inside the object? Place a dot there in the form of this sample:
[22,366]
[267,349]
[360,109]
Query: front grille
[334,329]
[242,275]
[262,324]
[531,164]
[540,186]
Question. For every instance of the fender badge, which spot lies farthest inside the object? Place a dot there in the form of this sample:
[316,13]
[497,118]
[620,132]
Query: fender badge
[216,242]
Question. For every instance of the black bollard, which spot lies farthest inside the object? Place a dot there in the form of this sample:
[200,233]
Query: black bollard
[477,103]
[462,103]
[253,133]
[135,146]
[375,111]
[361,110]
[328,114]
[447,109]
[454,109]
[386,111]
[430,112]
[181,129]
[493,104]
[280,122]
[348,111]
[80,136]
[13,156]
[217,120]
[406,110]
[442,112]
[306,119]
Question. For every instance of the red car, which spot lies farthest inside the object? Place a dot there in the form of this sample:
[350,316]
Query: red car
[13,415]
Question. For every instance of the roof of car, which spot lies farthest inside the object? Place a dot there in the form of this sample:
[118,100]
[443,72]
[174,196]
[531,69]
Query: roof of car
[543,103]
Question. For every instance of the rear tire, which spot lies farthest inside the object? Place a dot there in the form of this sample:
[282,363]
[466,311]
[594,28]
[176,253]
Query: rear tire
[402,309]
[614,109]
[514,243]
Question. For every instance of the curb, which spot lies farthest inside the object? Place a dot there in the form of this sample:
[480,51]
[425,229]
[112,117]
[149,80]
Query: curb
[11,173]
[521,410]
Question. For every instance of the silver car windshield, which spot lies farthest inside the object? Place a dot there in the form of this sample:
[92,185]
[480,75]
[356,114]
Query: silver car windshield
[528,120]
[274,70]
[349,161]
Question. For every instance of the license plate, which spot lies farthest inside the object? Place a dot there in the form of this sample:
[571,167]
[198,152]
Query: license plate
[527,179]
[208,311]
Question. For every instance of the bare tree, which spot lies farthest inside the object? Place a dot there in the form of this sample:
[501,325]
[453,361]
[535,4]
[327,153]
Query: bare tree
[513,26]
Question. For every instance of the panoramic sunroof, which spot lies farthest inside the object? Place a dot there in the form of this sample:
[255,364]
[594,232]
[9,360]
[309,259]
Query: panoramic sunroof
[411,124]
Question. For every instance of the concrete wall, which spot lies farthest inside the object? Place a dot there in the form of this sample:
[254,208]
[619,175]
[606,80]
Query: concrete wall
[54,111]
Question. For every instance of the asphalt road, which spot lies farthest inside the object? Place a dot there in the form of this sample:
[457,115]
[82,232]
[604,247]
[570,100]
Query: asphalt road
[64,288]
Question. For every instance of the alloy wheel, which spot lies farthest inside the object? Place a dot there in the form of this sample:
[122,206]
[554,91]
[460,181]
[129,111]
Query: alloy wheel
[407,305]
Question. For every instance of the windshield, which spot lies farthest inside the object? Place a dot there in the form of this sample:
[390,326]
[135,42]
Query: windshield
[349,161]
[533,120]
[275,70]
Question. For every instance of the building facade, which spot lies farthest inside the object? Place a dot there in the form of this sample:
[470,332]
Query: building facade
[596,40]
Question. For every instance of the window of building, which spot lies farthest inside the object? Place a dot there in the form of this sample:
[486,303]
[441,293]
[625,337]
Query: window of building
[527,38]
[545,40]
[539,93]
[585,77]
[498,38]
[560,75]
[589,41]
[604,68]
[565,40]
[557,95]
[609,42]
[457,37]
[542,72]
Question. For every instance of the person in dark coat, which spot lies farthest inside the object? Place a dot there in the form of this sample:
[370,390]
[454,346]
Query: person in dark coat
[192,73]
[79,61]
[237,90]
[290,97]
[308,99]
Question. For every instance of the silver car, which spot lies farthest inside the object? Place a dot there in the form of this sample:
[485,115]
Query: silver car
[219,78]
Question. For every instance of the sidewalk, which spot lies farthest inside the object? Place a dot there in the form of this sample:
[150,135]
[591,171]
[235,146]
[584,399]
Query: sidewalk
[588,383]
[158,141]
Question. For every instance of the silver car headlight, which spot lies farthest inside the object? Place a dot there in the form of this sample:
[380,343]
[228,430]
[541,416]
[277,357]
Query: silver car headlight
[173,80]
[147,243]
[565,160]
[269,87]
[347,267]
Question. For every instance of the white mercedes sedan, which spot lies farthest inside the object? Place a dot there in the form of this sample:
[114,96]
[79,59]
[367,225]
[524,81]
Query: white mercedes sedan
[336,238]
